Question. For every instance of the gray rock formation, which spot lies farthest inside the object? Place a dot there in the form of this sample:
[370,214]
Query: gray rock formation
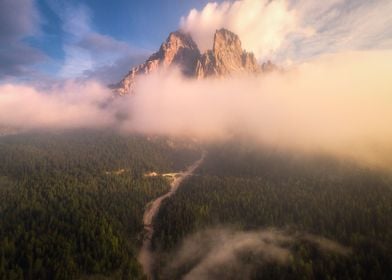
[226,58]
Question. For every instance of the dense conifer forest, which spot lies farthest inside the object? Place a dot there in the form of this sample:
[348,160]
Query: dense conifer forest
[71,207]
[71,203]
[247,189]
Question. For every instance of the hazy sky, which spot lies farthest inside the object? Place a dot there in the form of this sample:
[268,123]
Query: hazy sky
[46,40]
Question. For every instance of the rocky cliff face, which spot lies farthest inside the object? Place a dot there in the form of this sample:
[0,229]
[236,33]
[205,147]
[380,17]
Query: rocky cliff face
[179,49]
[226,58]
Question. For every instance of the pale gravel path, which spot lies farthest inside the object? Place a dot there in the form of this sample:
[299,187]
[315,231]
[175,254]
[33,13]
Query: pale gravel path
[146,257]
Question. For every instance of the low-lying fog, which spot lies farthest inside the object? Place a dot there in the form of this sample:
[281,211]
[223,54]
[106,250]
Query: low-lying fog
[339,104]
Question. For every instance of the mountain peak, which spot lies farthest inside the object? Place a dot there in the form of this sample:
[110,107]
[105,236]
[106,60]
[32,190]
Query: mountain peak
[225,40]
[182,37]
[178,49]
[226,58]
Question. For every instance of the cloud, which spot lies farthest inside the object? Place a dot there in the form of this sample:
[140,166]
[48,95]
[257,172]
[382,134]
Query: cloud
[114,71]
[102,44]
[115,58]
[18,20]
[337,104]
[69,105]
[261,24]
[295,30]
[223,253]
[325,244]
[14,64]
[340,25]
[87,52]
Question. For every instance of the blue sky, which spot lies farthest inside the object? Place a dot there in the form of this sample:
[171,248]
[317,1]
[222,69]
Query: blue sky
[143,24]
[47,40]
[50,39]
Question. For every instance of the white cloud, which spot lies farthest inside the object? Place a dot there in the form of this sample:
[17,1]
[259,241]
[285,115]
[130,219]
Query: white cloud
[261,24]
[341,25]
[18,19]
[218,253]
[295,29]
[337,104]
[70,105]
[86,50]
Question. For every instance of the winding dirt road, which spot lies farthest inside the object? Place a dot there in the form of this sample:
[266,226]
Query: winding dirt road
[146,257]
